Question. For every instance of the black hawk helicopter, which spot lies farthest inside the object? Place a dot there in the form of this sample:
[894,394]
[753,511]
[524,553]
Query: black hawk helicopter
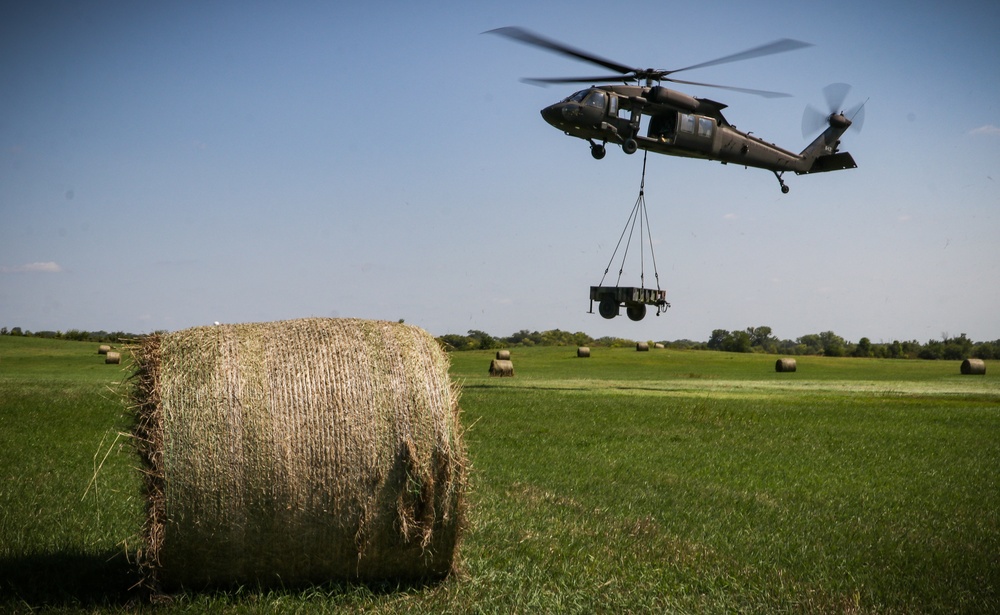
[684,125]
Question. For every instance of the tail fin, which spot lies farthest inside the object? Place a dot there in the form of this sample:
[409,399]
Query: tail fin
[822,154]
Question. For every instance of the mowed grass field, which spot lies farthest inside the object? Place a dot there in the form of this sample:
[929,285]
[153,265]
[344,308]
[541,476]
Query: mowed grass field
[661,481]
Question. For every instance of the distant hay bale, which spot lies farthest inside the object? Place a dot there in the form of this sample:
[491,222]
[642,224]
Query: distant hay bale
[112,358]
[501,368]
[974,367]
[658,346]
[642,346]
[583,352]
[503,355]
[297,452]
[103,349]
[785,365]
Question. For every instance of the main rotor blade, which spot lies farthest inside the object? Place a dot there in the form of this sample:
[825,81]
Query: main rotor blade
[591,80]
[764,93]
[530,38]
[778,46]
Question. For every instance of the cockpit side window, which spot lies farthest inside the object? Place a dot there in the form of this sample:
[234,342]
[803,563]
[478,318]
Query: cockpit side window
[597,99]
[578,97]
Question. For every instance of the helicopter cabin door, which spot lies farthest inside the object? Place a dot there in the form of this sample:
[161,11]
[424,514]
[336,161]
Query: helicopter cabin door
[695,132]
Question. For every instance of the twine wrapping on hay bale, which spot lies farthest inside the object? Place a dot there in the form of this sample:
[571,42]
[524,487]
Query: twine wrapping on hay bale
[642,346]
[112,358]
[974,367]
[103,349]
[501,368]
[583,352]
[297,451]
[784,365]
[503,355]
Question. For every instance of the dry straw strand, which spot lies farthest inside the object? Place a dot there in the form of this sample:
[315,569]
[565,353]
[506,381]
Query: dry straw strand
[298,451]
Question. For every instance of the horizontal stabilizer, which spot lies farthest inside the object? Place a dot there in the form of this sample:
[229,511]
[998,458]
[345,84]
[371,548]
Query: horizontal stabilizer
[832,162]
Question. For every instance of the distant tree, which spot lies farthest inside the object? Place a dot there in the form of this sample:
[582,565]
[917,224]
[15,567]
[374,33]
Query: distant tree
[833,344]
[717,339]
[864,348]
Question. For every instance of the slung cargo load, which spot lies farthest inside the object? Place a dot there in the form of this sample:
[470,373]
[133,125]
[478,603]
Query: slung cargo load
[611,298]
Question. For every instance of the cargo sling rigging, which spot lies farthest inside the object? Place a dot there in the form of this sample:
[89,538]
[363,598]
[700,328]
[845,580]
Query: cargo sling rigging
[635,300]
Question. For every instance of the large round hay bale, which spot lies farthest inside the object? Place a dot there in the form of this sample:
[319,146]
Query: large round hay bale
[583,352]
[103,349]
[974,367]
[501,368]
[112,358]
[785,365]
[297,452]
[503,355]
[642,346]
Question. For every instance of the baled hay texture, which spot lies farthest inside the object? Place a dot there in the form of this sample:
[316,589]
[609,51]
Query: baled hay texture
[103,349]
[642,346]
[974,367]
[297,452]
[583,352]
[503,355]
[784,365]
[501,368]
[112,358]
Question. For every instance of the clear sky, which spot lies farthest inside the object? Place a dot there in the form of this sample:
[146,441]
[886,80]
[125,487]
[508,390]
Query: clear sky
[171,164]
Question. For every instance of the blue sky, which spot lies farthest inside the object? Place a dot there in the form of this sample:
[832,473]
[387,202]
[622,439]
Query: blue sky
[167,165]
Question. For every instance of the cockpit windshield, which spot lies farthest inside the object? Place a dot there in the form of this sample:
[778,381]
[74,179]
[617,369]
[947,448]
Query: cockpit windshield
[578,97]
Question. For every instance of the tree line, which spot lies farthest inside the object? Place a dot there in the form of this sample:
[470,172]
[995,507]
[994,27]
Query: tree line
[751,339]
[73,335]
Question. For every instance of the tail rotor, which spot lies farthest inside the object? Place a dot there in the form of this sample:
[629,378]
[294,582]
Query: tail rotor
[814,120]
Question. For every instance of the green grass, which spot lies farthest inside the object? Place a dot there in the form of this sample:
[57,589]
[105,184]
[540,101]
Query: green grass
[662,481]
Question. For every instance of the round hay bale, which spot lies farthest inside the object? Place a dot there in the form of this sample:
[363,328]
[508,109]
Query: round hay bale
[785,365]
[583,352]
[112,358]
[642,346]
[297,452]
[974,367]
[658,346]
[503,355]
[501,368]
[103,349]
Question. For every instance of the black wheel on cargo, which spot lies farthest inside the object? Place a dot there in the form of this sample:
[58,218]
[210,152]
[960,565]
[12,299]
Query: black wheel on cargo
[608,307]
[636,311]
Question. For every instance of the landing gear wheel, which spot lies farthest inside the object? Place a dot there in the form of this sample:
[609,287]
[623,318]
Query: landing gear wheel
[781,182]
[608,308]
[630,146]
[636,311]
[597,151]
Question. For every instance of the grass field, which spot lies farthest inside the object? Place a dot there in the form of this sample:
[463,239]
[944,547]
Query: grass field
[666,481]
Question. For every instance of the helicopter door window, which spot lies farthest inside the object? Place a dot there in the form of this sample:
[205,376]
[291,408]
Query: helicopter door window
[686,123]
[613,106]
[705,126]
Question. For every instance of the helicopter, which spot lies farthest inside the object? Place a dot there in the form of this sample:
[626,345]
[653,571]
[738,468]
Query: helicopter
[684,125]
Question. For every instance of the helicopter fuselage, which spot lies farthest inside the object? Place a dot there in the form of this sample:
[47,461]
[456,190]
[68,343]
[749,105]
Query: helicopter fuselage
[682,125]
